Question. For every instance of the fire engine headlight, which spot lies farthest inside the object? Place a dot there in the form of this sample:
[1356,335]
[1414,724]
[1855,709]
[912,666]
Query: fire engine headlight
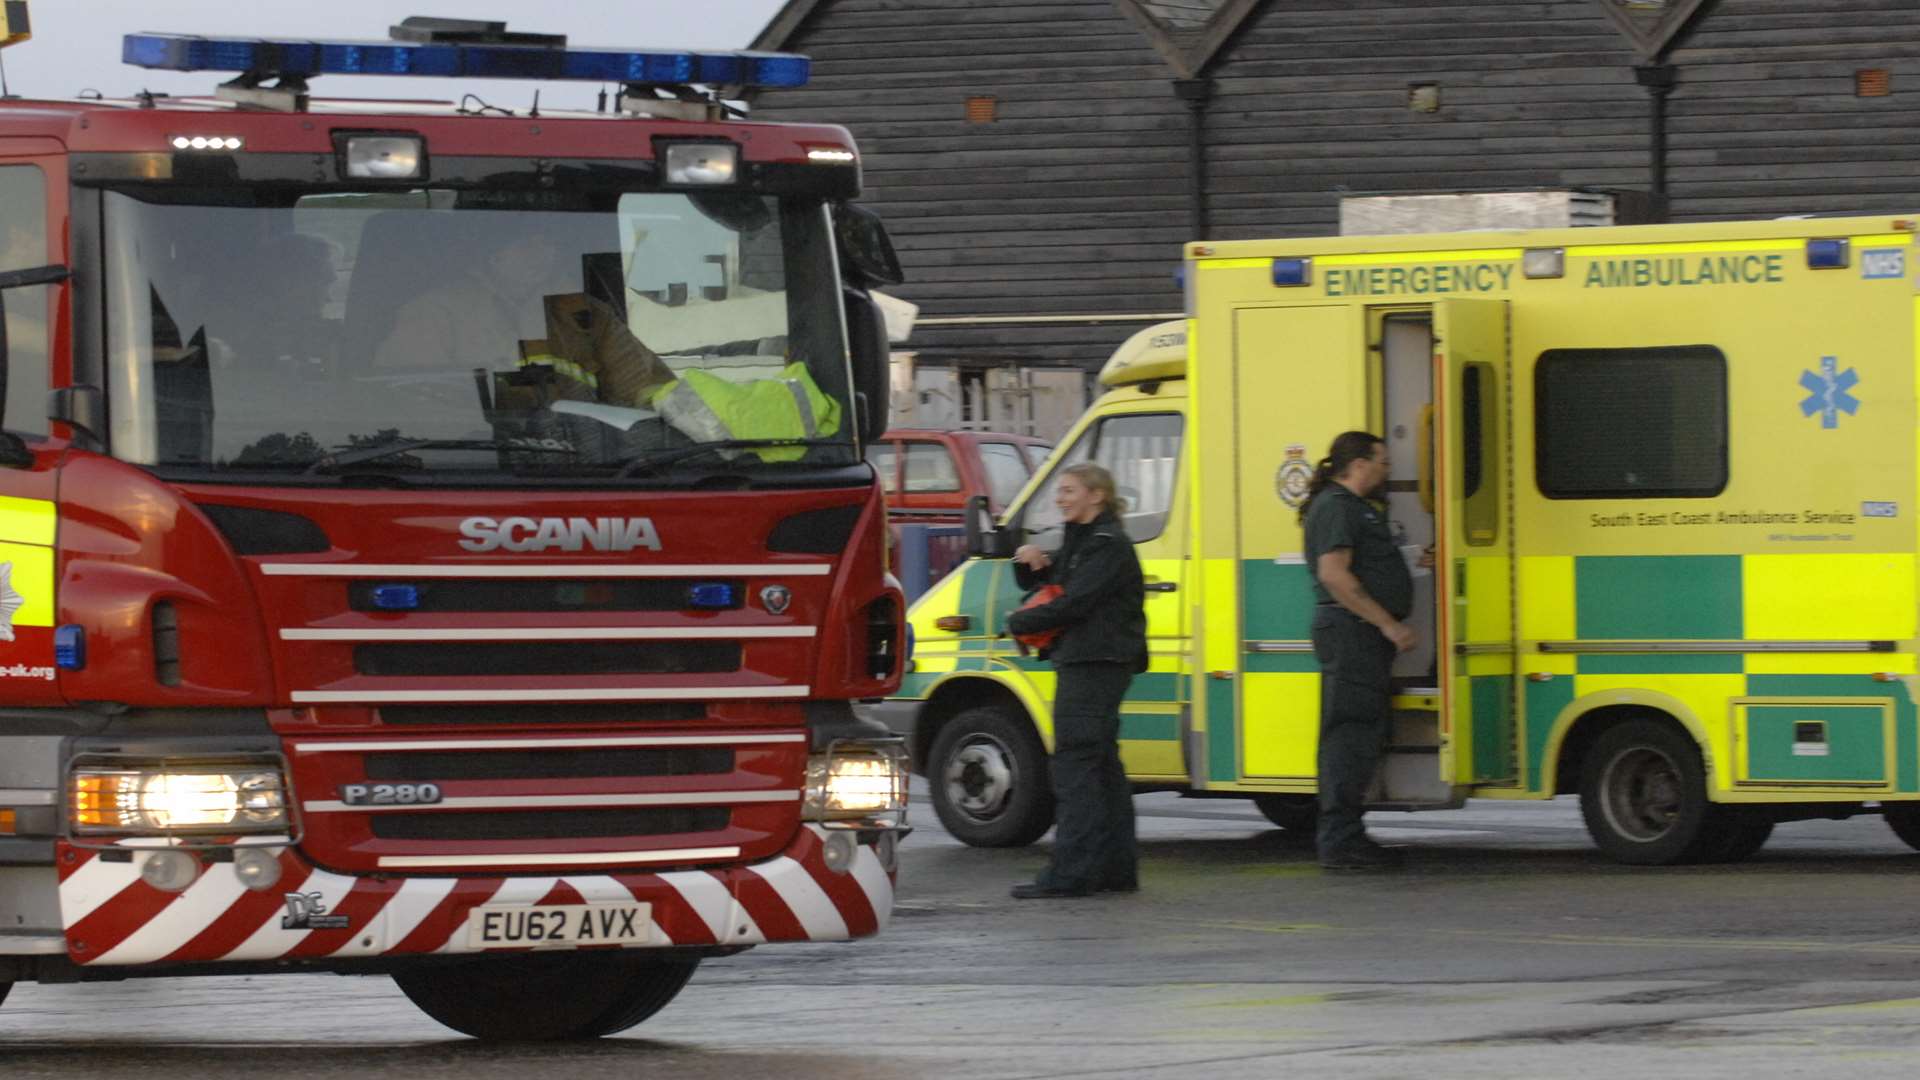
[384,157]
[702,163]
[162,799]
[856,783]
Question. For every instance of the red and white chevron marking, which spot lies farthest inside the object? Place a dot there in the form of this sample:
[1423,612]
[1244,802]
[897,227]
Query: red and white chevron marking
[111,916]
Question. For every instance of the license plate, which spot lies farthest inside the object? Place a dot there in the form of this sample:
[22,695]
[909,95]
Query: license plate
[551,926]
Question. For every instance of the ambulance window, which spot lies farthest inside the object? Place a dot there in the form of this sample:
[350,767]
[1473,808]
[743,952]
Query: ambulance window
[1142,450]
[1480,454]
[23,245]
[1007,471]
[1631,423]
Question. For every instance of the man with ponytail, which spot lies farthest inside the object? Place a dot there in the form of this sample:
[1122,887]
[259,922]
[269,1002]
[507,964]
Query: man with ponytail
[1363,590]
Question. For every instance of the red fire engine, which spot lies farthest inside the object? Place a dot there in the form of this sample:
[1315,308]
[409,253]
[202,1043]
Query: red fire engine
[434,539]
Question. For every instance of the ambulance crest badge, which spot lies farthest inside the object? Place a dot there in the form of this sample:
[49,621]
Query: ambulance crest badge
[1294,477]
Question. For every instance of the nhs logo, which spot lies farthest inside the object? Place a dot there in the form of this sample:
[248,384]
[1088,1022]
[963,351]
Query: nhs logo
[1883,263]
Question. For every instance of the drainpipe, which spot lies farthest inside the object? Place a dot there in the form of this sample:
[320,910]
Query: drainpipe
[1196,93]
[1658,79]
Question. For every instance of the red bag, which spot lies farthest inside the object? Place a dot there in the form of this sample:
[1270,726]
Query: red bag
[1040,639]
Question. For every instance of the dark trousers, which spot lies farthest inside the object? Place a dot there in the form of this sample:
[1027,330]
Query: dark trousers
[1093,841]
[1356,719]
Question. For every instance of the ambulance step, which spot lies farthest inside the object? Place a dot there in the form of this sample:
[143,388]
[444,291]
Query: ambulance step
[1418,700]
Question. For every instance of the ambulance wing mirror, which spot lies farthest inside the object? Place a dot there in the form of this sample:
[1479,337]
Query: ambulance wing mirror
[872,355]
[985,540]
[13,450]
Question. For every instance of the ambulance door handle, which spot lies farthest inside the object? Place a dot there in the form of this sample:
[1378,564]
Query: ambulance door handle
[1161,586]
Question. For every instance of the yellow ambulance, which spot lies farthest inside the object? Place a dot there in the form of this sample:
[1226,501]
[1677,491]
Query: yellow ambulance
[1669,475]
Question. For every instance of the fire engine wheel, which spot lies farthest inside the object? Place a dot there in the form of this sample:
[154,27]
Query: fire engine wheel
[988,776]
[543,997]
[1643,794]
[1294,813]
[1904,819]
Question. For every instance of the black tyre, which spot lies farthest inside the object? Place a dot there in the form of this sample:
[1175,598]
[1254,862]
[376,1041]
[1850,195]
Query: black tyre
[988,775]
[1644,796]
[1904,819]
[1294,813]
[1734,833]
[543,997]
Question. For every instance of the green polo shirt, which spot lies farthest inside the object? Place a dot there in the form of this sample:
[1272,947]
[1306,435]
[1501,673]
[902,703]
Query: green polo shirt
[1340,519]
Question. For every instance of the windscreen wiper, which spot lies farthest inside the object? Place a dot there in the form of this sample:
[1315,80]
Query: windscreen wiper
[335,462]
[660,459]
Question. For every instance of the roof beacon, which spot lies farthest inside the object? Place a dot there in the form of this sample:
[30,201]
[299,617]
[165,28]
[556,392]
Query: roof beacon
[653,80]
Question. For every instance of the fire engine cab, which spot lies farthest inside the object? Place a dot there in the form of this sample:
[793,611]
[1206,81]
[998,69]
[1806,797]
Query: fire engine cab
[435,539]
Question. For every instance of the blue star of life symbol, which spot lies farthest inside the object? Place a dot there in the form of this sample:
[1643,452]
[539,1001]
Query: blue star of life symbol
[1827,392]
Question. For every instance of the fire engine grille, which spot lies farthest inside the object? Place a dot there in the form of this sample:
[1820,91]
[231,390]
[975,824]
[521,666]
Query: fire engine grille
[547,595]
[549,824]
[624,713]
[549,764]
[548,658]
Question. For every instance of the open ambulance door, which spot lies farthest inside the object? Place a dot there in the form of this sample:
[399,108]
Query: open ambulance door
[1474,552]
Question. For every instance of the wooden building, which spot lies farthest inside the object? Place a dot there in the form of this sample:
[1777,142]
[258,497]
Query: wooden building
[1040,163]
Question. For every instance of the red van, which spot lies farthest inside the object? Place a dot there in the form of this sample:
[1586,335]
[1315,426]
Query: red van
[929,475]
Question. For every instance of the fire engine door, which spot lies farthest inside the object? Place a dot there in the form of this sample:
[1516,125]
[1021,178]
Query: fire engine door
[1474,537]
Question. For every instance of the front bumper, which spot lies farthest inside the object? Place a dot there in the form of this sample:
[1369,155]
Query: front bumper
[113,917]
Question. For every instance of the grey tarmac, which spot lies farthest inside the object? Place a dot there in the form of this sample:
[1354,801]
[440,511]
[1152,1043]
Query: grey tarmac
[1507,947]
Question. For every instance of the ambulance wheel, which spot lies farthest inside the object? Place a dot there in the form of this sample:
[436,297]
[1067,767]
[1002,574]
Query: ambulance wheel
[544,997]
[1902,817]
[988,775]
[1294,813]
[1643,793]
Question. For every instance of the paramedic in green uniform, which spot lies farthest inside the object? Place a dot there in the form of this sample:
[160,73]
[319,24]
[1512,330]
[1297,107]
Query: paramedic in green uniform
[1363,590]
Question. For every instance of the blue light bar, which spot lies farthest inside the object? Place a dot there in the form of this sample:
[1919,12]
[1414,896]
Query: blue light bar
[180,52]
[396,597]
[1288,272]
[710,594]
[70,648]
[1827,254]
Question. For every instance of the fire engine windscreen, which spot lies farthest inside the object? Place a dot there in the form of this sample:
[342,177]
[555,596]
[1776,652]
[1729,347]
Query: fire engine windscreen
[515,333]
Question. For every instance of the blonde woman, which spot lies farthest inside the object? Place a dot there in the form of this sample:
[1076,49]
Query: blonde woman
[1102,644]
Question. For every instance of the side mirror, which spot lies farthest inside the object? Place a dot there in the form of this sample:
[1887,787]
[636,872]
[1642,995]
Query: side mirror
[985,540]
[866,251]
[872,360]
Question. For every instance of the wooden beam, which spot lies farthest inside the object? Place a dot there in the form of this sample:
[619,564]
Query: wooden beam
[1652,41]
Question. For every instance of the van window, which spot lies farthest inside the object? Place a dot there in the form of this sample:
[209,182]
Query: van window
[1142,450]
[930,468]
[23,246]
[1631,423]
[1007,471]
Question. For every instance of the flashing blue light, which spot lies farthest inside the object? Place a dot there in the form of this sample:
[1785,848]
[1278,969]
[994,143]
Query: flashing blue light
[178,52]
[1288,272]
[1827,254]
[70,648]
[710,594]
[396,597]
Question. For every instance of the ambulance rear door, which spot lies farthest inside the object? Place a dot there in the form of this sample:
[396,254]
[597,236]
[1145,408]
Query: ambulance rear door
[1267,404]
